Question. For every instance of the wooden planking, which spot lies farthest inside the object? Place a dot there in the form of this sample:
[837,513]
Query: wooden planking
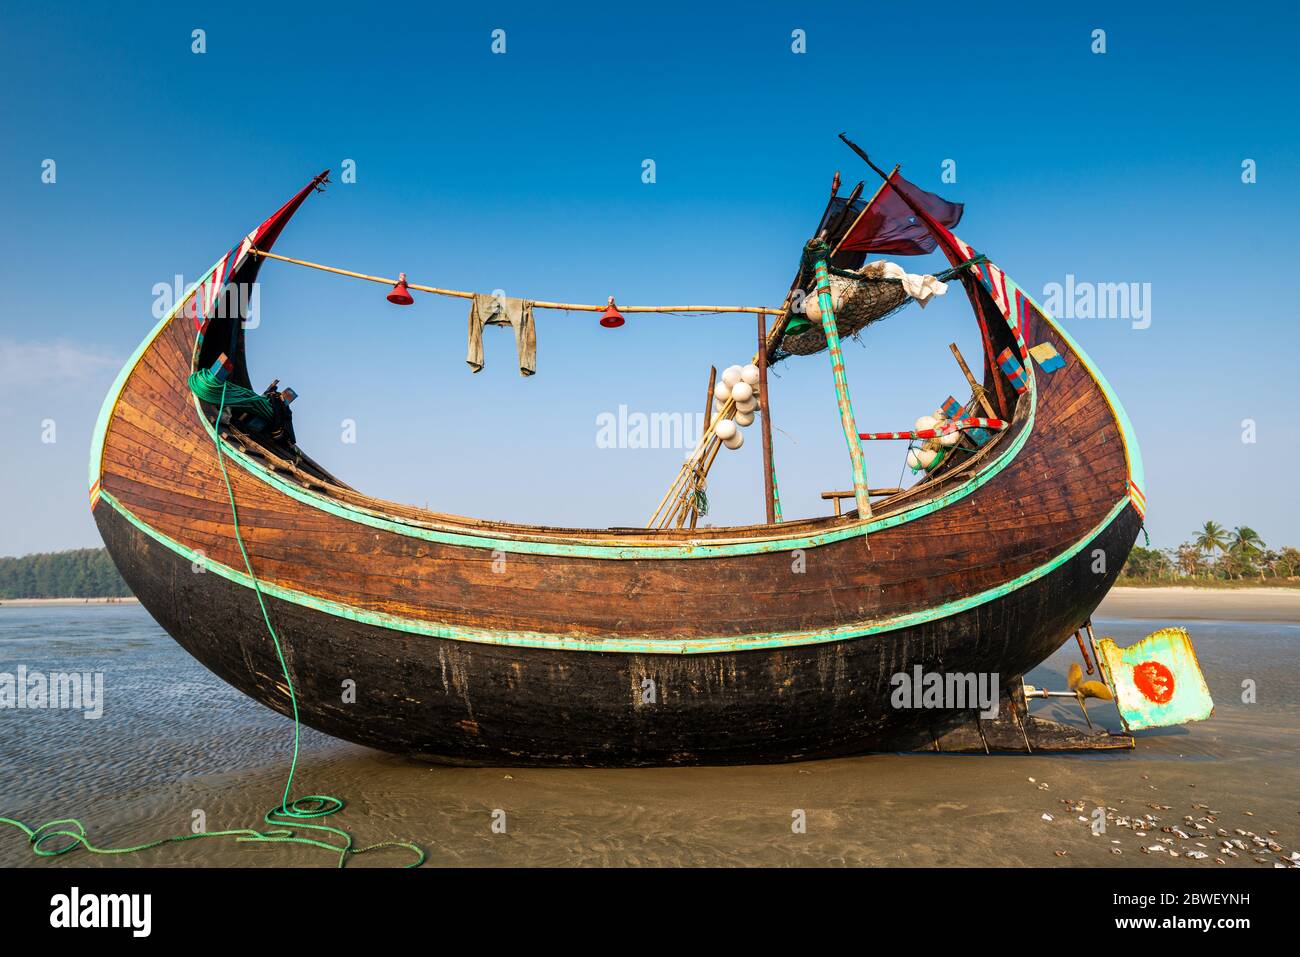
[472,702]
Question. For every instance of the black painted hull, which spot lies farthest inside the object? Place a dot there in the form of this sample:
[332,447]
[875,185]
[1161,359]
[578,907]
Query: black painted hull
[472,703]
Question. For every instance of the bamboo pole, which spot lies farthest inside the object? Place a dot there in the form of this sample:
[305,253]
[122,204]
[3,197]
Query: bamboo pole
[708,399]
[769,466]
[874,196]
[537,303]
[708,414]
[976,389]
[833,227]
[818,249]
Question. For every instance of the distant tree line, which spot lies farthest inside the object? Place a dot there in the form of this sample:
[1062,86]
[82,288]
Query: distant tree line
[1214,554]
[80,573]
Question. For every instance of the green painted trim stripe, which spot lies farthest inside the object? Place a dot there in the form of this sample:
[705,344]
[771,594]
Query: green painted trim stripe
[533,639]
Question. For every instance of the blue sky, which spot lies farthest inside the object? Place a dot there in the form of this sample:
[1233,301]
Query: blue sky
[523,171]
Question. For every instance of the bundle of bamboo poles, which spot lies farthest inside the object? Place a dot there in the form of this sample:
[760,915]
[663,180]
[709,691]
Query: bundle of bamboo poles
[678,502]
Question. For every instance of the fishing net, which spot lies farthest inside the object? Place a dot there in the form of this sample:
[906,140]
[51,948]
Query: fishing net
[858,303]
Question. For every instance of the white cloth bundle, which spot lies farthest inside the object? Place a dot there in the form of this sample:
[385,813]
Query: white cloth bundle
[919,287]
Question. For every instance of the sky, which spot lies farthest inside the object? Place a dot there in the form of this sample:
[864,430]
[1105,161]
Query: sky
[523,170]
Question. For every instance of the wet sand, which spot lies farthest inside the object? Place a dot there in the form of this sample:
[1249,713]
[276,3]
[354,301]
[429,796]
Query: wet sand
[45,602]
[194,744]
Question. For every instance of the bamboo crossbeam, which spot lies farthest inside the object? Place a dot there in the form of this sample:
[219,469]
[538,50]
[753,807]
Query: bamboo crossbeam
[877,492]
[537,303]
[835,497]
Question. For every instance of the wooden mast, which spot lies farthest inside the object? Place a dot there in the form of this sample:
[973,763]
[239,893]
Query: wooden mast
[819,253]
[765,412]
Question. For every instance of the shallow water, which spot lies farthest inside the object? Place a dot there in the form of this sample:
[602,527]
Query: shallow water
[174,739]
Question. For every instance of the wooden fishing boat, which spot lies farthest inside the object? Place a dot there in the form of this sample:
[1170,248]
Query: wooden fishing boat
[475,641]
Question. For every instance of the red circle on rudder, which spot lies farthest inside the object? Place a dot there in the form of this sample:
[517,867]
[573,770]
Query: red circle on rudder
[1155,681]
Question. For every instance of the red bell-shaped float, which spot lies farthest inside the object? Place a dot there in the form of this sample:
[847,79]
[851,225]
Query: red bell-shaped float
[612,318]
[400,295]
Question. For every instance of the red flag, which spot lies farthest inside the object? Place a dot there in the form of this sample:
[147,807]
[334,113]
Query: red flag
[890,225]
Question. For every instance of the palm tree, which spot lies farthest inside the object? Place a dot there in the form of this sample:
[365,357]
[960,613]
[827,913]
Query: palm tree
[1246,541]
[1212,537]
[1247,545]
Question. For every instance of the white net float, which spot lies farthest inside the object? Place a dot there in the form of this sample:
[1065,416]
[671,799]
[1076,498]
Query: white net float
[736,441]
[730,376]
[722,392]
[725,430]
[744,418]
[749,375]
[742,392]
[812,306]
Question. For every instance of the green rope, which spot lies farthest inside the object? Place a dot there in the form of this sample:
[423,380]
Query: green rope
[231,396]
[701,502]
[292,812]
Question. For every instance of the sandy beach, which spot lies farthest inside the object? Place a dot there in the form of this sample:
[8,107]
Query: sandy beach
[174,740]
[1203,604]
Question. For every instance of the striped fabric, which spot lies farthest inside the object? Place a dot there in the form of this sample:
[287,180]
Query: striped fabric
[1015,372]
[951,408]
[938,431]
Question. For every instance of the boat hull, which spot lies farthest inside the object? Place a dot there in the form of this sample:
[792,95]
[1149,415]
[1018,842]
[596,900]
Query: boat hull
[468,703]
[475,641]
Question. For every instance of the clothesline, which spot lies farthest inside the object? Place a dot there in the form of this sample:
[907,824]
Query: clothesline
[537,303]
